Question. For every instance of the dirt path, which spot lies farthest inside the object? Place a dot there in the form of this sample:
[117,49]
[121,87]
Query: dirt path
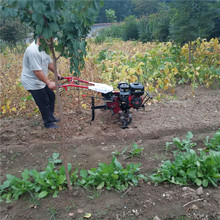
[26,144]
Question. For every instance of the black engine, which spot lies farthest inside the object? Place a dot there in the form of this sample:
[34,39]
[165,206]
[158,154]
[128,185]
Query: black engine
[130,95]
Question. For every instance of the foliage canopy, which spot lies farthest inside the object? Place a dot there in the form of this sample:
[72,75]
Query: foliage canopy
[68,22]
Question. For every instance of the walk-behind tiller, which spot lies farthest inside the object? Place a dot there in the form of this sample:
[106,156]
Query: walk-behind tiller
[119,102]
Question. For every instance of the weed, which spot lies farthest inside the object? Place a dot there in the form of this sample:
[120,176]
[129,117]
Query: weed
[135,151]
[54,159]
[52,213]
[15,155]
[74,146]
[35,202]
[95,194]
[159,157]
[117,153]
[72,206]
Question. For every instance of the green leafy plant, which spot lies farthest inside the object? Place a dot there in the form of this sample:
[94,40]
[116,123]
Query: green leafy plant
[213,143]
[117,153]
[52,180]
[40,184]
[184,144]
[188,167]
[55,159]
[135,150]
[111,175]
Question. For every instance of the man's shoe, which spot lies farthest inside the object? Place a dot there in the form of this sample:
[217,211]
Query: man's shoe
[51,125]
[56,119]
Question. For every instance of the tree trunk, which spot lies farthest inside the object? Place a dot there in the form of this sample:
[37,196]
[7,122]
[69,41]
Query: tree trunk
[61,129]
[190,48]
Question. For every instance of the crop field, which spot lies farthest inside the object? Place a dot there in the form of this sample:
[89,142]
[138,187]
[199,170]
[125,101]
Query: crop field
[165,165]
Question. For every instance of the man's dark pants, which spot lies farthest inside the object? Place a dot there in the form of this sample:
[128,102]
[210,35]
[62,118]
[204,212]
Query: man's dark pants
[45,100]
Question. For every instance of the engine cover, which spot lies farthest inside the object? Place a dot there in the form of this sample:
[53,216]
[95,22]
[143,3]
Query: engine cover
[136,89]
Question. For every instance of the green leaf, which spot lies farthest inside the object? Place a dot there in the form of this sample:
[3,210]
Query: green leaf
[54,27]
[55,194]
[116,162]
[189,135]
[205,182]
[115,176]
[34,173]
[83,173]
[61,179]
[22,3]
[38,18]
[55,155]
[198,182]
[5,185]
[135,181]
[25,174]
[39,6]
[198,163]
[176,140]
[42,194]
[191,173]
[47,33]
[69,167]
[11,178]
[38,29]
[199,174]
[141,176]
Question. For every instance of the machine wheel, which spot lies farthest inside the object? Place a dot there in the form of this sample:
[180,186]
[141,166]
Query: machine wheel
[126,119]
[129,118]
[124,124]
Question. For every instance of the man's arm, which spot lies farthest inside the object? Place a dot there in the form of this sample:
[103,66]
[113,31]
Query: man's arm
[51,68]
[40,75]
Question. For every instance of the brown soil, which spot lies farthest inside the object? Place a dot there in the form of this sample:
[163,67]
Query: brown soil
[26,144]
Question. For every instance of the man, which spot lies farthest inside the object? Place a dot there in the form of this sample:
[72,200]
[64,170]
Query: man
[34,79]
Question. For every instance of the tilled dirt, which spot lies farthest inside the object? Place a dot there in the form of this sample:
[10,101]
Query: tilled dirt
[26,144]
